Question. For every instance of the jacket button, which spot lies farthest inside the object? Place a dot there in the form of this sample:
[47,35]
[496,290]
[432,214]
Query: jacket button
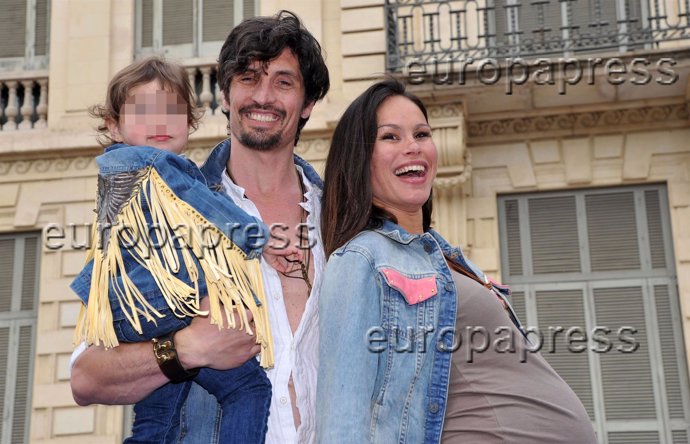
[428,248]
[433,407]
[448,286]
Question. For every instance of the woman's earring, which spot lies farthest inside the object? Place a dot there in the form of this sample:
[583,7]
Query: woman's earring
[228,129]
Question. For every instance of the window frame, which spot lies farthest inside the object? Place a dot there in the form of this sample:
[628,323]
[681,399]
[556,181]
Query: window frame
[14,319]
[30,61]
[527,284]
[198,48]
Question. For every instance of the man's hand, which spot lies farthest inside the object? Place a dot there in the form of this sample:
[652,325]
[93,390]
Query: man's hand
[205,345]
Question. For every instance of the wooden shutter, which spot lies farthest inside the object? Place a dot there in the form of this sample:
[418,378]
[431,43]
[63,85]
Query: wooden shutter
[248,8]
[554,236]
[565,308]
[218,19]
[634,438]
[612,229]
[13,24]
[147,23]
[22,385]
[178,25]
[655,229]
[512,220]
[626,377]
[42,20]
[4,351]
[6,273]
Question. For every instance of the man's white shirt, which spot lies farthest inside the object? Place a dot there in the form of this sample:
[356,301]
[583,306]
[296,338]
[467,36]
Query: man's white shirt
[298,354]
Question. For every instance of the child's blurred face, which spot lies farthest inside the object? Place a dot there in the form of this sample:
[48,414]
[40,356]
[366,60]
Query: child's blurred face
[152,116]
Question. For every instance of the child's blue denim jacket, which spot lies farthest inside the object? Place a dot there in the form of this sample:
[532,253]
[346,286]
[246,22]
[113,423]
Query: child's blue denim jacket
[387,315]
[171,217]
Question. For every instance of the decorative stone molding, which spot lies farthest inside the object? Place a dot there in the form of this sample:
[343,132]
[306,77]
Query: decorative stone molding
[47,166]
[445,181]
[445,111]
[313,149]
[574,121]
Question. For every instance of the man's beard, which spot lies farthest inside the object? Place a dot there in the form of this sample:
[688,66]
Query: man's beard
[259,141]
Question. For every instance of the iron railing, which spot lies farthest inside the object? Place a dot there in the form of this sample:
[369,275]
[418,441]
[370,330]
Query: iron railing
[430,30]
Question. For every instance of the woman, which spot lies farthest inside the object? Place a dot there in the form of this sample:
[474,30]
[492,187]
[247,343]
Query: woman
[400,309]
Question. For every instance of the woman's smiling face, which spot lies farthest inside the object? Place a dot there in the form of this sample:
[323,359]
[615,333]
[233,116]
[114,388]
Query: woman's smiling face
[403,164]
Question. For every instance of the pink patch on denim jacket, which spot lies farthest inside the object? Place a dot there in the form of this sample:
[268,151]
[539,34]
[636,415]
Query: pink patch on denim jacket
[414,290]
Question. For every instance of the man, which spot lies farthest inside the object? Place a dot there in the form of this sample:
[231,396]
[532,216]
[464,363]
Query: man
[271,72]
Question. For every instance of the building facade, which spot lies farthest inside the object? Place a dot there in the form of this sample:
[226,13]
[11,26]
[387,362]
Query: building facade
[564,170]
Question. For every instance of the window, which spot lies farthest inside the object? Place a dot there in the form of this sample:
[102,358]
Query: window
[186,29]
[19,257]
[24,34]
[550,26]
[603,259]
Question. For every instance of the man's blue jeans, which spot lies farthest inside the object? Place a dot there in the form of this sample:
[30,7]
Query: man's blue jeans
[244,394]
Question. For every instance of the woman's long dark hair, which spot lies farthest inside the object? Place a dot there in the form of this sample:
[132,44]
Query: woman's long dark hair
[347,204]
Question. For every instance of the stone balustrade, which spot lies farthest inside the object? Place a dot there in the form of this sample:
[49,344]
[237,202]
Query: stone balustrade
[23,100]
[204,79]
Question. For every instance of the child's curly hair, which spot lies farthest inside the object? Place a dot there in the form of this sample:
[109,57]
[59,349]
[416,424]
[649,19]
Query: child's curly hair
[171,76]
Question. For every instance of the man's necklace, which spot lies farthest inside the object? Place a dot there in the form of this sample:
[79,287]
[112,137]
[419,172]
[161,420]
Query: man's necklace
[304,265]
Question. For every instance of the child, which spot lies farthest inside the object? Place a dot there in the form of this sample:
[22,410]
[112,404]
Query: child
[163,241]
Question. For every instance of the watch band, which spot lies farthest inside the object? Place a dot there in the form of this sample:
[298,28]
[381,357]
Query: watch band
[168,361]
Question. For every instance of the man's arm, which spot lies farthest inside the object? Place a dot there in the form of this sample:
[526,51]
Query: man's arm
[128,373]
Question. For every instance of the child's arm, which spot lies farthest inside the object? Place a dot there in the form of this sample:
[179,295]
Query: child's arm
[128,373]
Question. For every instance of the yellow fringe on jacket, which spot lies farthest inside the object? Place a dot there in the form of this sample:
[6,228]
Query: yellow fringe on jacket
[233,281]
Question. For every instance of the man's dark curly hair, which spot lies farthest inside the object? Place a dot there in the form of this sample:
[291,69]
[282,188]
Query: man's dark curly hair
[263,39]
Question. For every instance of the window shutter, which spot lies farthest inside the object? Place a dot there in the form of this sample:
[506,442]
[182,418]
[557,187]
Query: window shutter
[22,384]
[178,18]
[513,238]
[218,19]
[41,27]
[633,438]
[4,351]
[669,353]
[612,231]
[29,273]
[147,23]
[553,229]
[626,377]
[13,24]
[565,308]
[248,8]
[655,230]
[517,301]
[6,273]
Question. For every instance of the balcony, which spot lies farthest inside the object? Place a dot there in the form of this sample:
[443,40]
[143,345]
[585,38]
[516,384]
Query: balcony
[23,100]
[425,31]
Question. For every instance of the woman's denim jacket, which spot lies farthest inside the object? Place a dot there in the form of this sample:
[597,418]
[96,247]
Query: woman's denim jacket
[121,166]
[387,317]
